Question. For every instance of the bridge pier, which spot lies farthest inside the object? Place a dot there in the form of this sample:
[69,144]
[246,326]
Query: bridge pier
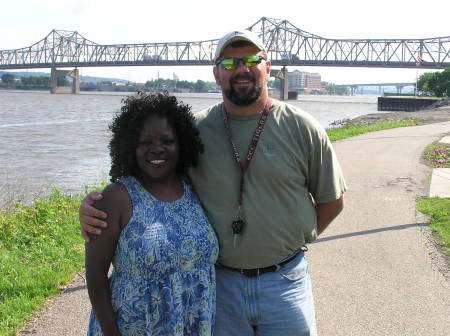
[74,74]
[282,75]
[284,84]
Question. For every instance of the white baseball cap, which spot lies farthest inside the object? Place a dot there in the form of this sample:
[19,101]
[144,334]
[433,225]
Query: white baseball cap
[238,35]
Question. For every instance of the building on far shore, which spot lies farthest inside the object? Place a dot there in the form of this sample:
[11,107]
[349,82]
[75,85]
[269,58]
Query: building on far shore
[304,81]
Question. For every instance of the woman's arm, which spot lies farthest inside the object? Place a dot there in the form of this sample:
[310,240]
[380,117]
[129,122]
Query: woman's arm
[99,254]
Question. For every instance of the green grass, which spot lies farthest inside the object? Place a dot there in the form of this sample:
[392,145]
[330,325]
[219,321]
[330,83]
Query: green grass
[439,211]
[350,131]
[40,249]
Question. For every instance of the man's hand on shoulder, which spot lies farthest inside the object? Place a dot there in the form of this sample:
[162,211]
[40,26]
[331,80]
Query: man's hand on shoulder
[91,219]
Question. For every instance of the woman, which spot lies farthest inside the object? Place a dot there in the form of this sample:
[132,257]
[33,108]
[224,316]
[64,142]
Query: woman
[158,238]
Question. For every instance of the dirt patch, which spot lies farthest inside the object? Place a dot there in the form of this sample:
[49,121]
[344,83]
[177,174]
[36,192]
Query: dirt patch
[427,116]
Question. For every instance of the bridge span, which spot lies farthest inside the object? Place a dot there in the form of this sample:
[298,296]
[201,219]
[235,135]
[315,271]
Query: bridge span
[286,45]
[398,86]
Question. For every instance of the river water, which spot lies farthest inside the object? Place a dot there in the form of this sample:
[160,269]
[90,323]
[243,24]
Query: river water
[58,140]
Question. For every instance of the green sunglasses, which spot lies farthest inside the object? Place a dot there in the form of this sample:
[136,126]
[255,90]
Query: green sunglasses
[231,63]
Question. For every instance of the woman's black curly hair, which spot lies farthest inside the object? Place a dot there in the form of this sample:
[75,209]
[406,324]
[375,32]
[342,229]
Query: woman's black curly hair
[127,125]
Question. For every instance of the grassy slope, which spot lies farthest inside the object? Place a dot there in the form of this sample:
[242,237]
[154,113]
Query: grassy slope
[439,211]
[40,249]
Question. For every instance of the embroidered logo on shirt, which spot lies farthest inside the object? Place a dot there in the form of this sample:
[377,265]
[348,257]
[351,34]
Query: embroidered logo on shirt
[269,149]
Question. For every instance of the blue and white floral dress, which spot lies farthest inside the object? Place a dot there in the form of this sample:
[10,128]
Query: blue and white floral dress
[163,281]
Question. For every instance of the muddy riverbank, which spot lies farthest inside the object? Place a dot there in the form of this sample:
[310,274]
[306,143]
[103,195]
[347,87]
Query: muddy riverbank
[431,115]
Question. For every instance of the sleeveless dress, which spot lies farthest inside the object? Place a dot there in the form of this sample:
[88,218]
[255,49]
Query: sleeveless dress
[163,280]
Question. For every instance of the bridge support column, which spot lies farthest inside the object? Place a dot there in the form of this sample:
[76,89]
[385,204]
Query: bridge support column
[74,74]
[399,89]
[284,84]
[282,75]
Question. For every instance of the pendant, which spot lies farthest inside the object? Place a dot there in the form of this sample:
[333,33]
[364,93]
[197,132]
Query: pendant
[237,226]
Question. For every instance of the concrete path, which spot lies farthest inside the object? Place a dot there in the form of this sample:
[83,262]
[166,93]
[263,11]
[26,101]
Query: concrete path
[66,315]
[374,270]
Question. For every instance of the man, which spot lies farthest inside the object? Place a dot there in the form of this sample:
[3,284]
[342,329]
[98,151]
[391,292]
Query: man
[270,183]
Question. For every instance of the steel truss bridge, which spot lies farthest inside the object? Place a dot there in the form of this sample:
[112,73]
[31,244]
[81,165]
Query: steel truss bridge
[398,86]
[286,44]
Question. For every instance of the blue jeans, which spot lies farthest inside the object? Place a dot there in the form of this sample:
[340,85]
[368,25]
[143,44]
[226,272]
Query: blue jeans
[272,304]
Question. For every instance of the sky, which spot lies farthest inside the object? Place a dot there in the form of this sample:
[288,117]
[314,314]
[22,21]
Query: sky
[24,22]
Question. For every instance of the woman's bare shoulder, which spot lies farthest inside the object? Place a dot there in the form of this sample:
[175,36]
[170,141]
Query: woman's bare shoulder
[115,195]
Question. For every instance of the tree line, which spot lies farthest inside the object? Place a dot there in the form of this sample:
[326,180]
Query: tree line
[32,81]
[157,84]
[435,83]
[154,84]
[198,86]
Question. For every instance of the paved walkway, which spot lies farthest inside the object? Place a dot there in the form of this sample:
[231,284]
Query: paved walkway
[374,270]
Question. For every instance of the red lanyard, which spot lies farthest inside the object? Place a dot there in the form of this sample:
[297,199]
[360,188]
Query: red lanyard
[251,149]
